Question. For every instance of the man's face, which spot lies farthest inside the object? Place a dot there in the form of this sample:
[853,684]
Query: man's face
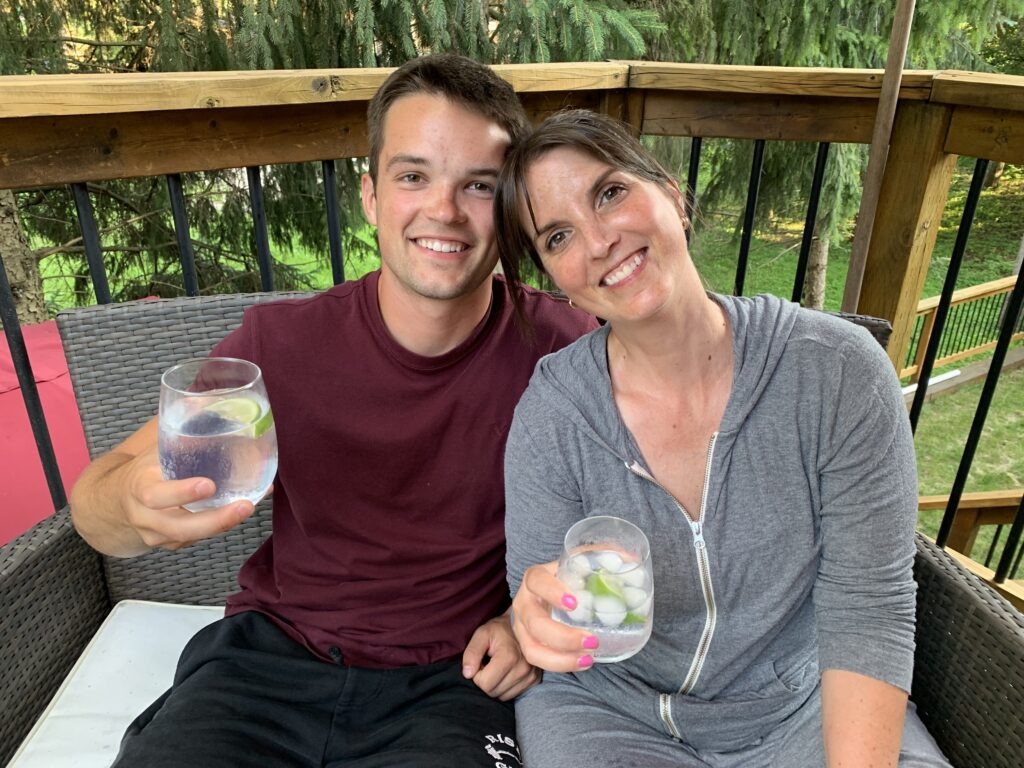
[432,203]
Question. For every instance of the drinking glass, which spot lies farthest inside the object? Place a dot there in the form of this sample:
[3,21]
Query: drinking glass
[606,563]
[215,421]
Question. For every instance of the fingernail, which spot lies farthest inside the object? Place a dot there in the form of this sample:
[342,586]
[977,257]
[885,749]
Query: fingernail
[467,672]
[569,602]
[585,661]
[205,487]
[590,642]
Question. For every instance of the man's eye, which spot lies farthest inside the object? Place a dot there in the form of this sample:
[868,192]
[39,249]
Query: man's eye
[410,178]
[480,186]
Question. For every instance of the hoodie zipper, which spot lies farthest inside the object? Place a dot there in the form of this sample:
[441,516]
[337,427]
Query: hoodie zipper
[704,570]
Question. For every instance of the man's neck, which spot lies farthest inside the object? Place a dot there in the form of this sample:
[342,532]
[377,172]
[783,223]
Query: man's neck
[430,327]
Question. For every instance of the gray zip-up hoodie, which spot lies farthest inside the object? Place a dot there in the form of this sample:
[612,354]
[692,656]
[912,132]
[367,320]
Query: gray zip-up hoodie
[801,555]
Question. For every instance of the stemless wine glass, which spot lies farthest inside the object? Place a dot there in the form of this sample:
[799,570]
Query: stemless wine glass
[215,421]
[606,563]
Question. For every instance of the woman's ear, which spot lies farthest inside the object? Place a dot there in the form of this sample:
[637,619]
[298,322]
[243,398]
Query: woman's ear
[674,191]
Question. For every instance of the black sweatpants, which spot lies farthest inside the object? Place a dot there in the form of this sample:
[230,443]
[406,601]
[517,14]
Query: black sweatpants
[245,694]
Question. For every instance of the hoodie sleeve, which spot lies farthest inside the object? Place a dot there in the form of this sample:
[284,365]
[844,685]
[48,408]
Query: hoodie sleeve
[542,496]
[864,594]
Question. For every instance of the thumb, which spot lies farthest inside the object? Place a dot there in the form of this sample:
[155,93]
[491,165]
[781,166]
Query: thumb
[473,656]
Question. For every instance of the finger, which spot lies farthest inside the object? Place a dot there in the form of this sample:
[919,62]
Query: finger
[531,678]
[558,661]
[491,677]
[534,624]
[541,581]
[161,494]
[170,526]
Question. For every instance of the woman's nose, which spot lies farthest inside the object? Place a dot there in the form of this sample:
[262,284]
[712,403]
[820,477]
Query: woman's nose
[598,239]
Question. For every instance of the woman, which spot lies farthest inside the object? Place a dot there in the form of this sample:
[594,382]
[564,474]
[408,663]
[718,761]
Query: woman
[763,448]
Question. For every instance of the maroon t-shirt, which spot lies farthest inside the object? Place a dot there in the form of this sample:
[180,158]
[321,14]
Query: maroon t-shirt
[388,526]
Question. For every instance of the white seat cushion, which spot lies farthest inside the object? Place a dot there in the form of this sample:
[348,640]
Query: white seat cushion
[124,668]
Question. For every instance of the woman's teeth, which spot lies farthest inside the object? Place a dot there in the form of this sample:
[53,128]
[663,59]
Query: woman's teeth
[442,246]
[628,268]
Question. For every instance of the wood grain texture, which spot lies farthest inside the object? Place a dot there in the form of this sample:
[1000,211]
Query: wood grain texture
[914,191]
[792,81]
[979,89]
[995,134]
[758,116]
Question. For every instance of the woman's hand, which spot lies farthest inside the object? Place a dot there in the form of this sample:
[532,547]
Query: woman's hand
[546,643]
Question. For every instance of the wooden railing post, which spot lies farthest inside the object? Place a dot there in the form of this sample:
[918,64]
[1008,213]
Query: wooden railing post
[914,190]
[927,325]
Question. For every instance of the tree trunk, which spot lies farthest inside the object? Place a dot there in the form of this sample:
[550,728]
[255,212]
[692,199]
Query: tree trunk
[817,270]
[20,263]
[993,174]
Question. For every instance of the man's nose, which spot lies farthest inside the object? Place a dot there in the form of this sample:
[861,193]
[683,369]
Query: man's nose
[444,204]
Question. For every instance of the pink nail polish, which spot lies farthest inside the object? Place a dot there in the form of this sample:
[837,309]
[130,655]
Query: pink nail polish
[569,602]
[585,661]
[590,642]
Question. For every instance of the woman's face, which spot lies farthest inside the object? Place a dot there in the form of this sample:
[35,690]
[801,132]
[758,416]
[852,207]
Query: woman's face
[614,243]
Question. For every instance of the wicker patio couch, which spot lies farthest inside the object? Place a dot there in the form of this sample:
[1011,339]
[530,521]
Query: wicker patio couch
[55,590]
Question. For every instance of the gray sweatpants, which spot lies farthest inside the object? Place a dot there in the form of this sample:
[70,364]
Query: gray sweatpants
[561,725]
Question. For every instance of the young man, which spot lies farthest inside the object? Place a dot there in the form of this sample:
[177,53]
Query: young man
[369,629]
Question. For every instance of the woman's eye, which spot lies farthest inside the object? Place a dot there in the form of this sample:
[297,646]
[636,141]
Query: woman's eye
[555,241]
[611,192]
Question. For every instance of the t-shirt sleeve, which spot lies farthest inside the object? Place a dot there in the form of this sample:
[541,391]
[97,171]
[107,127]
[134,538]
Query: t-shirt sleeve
[241,342]
[542,498]
[864,594]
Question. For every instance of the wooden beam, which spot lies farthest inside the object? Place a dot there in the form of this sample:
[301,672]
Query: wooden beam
[792,81]
[625,105]
[1013,591]
[995,134]
[913,196]
[53,95]
[46,151]
[758,116]
[975,500]
[978,89]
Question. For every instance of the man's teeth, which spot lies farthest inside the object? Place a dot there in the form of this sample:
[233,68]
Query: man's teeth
[443,246]
[628,268]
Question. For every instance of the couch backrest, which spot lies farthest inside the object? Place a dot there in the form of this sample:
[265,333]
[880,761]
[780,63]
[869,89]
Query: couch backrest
[116,354]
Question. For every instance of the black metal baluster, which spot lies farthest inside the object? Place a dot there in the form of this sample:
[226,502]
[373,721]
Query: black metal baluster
[988,390]
[748,215]
[333,224]
[812,216]
[182,235]
[259,225]
[992,546]
[91,241]
[692,172]
[1016,563]
[1012,542]
[29,392]
[952,272]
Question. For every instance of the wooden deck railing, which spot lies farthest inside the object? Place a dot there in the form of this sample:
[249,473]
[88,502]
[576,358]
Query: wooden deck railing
[975,315]
[62,129]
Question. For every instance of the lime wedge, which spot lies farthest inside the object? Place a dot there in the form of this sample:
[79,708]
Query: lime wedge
[633,618]
[244,410]
[605,585]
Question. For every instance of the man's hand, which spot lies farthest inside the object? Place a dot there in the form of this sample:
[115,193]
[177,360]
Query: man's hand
[506,674]
[122,506]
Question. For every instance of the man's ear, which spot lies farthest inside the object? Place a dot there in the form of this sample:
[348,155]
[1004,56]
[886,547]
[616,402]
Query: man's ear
[368,193]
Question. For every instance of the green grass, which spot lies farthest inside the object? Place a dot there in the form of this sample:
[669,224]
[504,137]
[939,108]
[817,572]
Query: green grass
[998,463]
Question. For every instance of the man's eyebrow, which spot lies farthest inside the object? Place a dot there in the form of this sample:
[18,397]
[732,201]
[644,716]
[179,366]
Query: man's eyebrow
[406,160]
[598,183]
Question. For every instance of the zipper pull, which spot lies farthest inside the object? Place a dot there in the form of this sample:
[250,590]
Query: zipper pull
[698,536]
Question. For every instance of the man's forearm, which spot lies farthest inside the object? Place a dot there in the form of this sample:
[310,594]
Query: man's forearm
[96,508]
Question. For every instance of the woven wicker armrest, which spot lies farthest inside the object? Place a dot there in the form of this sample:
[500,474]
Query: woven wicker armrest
[969,664]
[52,599]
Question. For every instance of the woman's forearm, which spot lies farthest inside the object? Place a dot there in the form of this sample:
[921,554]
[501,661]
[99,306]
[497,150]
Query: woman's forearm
[862,720]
